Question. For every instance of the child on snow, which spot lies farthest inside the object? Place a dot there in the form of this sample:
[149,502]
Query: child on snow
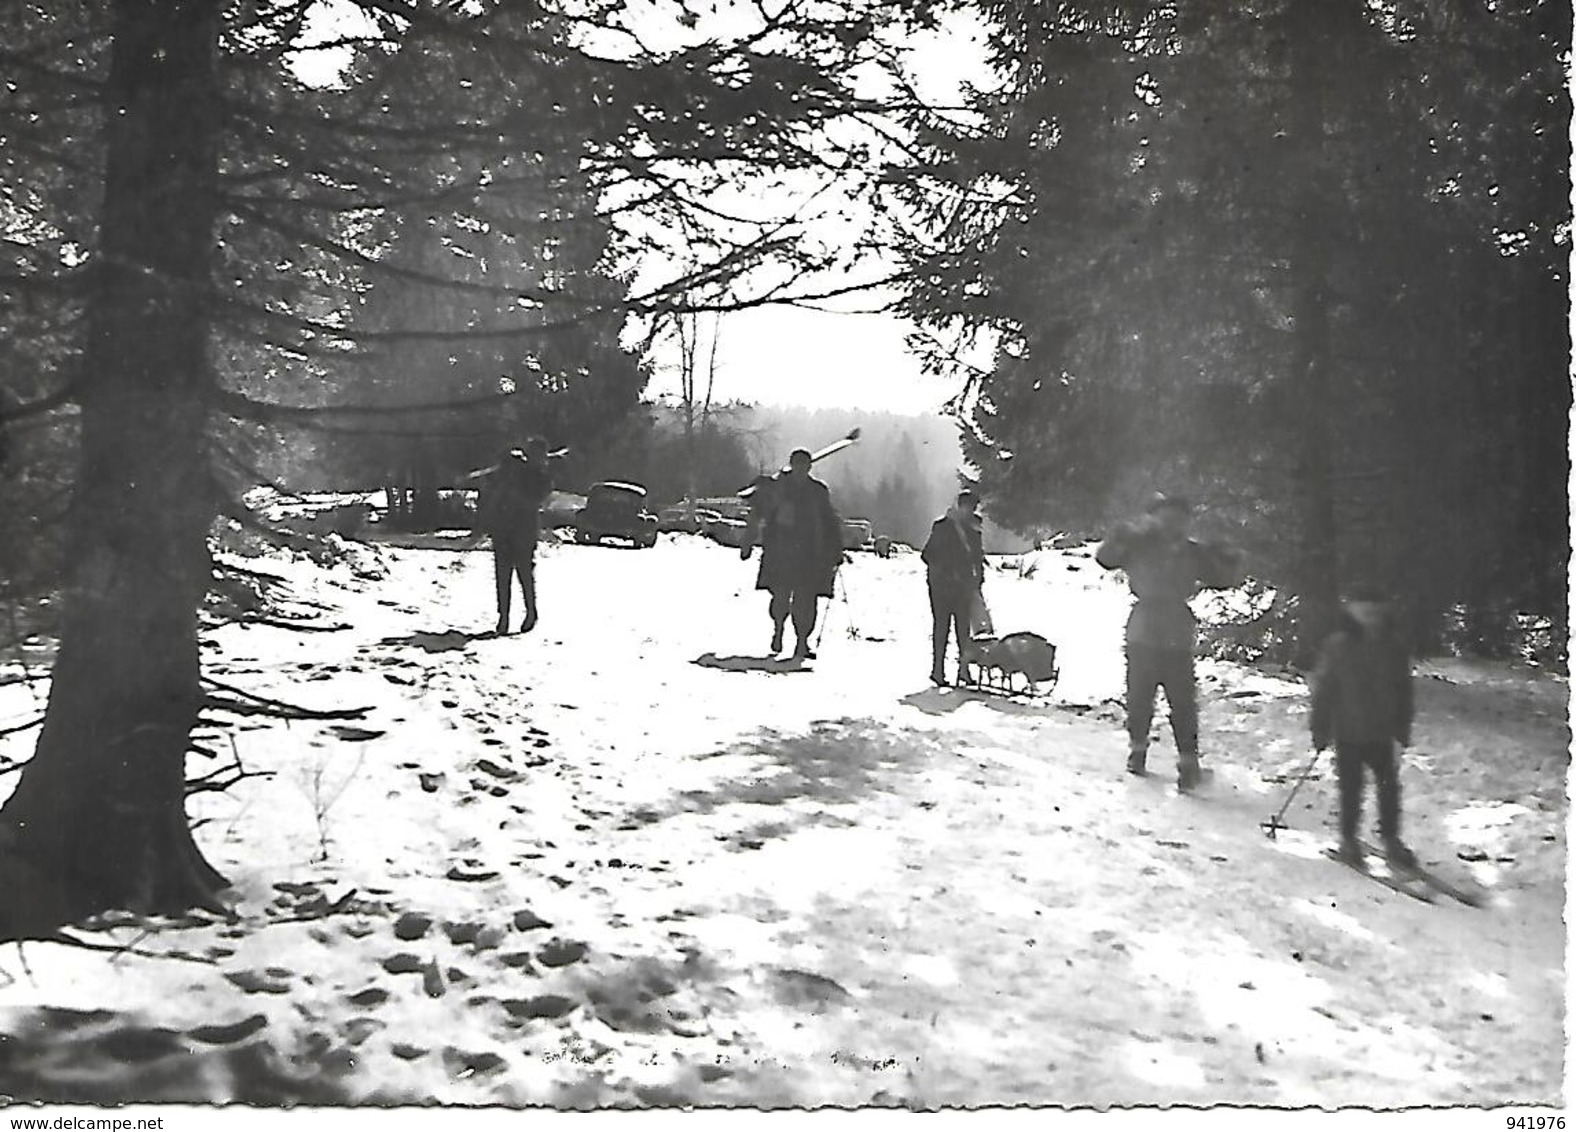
[1362,703]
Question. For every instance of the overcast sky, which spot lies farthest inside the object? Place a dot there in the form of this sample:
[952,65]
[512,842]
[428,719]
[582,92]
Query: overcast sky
[791,356]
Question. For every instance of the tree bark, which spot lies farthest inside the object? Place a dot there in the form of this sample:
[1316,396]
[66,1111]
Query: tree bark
[98,818]
[1313,231]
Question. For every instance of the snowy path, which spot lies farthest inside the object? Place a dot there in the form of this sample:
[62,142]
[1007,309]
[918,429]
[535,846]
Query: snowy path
[828,886]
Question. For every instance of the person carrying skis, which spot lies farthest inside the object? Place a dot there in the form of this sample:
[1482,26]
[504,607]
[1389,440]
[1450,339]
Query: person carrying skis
[954,557]
[1362,703]
[510,511]
[1165,569]
[801,546]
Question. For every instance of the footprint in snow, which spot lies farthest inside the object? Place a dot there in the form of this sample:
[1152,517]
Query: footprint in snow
[354,734]
[260,982]
[372,996]
[463,1063]
[561,953]
[471,871]
[542,1006]
[228,1033]
[462,932]
[520,960]
[412,926]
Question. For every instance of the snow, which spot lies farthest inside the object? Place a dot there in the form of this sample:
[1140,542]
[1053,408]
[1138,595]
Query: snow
[828,886]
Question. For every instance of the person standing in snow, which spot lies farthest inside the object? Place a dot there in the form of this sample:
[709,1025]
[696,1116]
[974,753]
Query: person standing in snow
[1362,703]
[510,511]
[954,557]
[1165,569]
[801,546]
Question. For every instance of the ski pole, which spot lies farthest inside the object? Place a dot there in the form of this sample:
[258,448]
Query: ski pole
[820,630]
[1275,823]
[848,606]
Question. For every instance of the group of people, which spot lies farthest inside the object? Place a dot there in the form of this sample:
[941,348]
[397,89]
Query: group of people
[1362,688]
[1362,696]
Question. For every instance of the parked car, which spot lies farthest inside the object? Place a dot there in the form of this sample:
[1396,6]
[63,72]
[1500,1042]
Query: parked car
[615,509]
[560,509]
[856,533]
[729,532]
[728,506]
[677,518]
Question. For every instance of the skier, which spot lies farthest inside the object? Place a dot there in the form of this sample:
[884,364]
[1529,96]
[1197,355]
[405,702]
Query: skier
[954,557]
[1362,702]
[801,545]
[510,510]
[1165,569]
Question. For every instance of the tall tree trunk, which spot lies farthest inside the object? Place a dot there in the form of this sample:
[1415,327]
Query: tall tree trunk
[98,818]
[689,460]
[1313,229]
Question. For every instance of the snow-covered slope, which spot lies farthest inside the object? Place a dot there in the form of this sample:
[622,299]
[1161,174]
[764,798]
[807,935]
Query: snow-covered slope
[623,860]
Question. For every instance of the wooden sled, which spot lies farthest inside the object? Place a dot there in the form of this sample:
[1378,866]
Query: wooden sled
[1001,664]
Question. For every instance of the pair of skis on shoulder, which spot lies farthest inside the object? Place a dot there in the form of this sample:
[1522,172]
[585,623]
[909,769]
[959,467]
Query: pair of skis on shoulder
[815,457]
[1415,881]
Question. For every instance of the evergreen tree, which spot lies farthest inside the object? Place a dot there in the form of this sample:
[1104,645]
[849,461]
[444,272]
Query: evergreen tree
[1243,250]
[208,224]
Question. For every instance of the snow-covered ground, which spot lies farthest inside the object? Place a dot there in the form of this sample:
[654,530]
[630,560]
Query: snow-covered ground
[623,860]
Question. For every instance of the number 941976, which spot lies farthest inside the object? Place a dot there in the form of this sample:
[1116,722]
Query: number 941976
[1535,1123]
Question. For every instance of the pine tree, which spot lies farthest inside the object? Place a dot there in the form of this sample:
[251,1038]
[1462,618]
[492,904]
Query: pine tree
[218,220]
[1236,250]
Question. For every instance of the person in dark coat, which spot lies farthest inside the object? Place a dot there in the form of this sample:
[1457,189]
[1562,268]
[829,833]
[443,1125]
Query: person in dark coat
[801,546]
[1362,703]
[954,557]
[510,511]
[1165,568]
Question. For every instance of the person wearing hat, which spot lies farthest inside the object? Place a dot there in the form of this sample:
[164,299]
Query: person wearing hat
[1165,569]
[801,547]
[1362,704]
[510,511]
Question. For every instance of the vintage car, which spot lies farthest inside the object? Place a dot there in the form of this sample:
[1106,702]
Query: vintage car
[727,530]
[677,518]
[856,533]
[615,509]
